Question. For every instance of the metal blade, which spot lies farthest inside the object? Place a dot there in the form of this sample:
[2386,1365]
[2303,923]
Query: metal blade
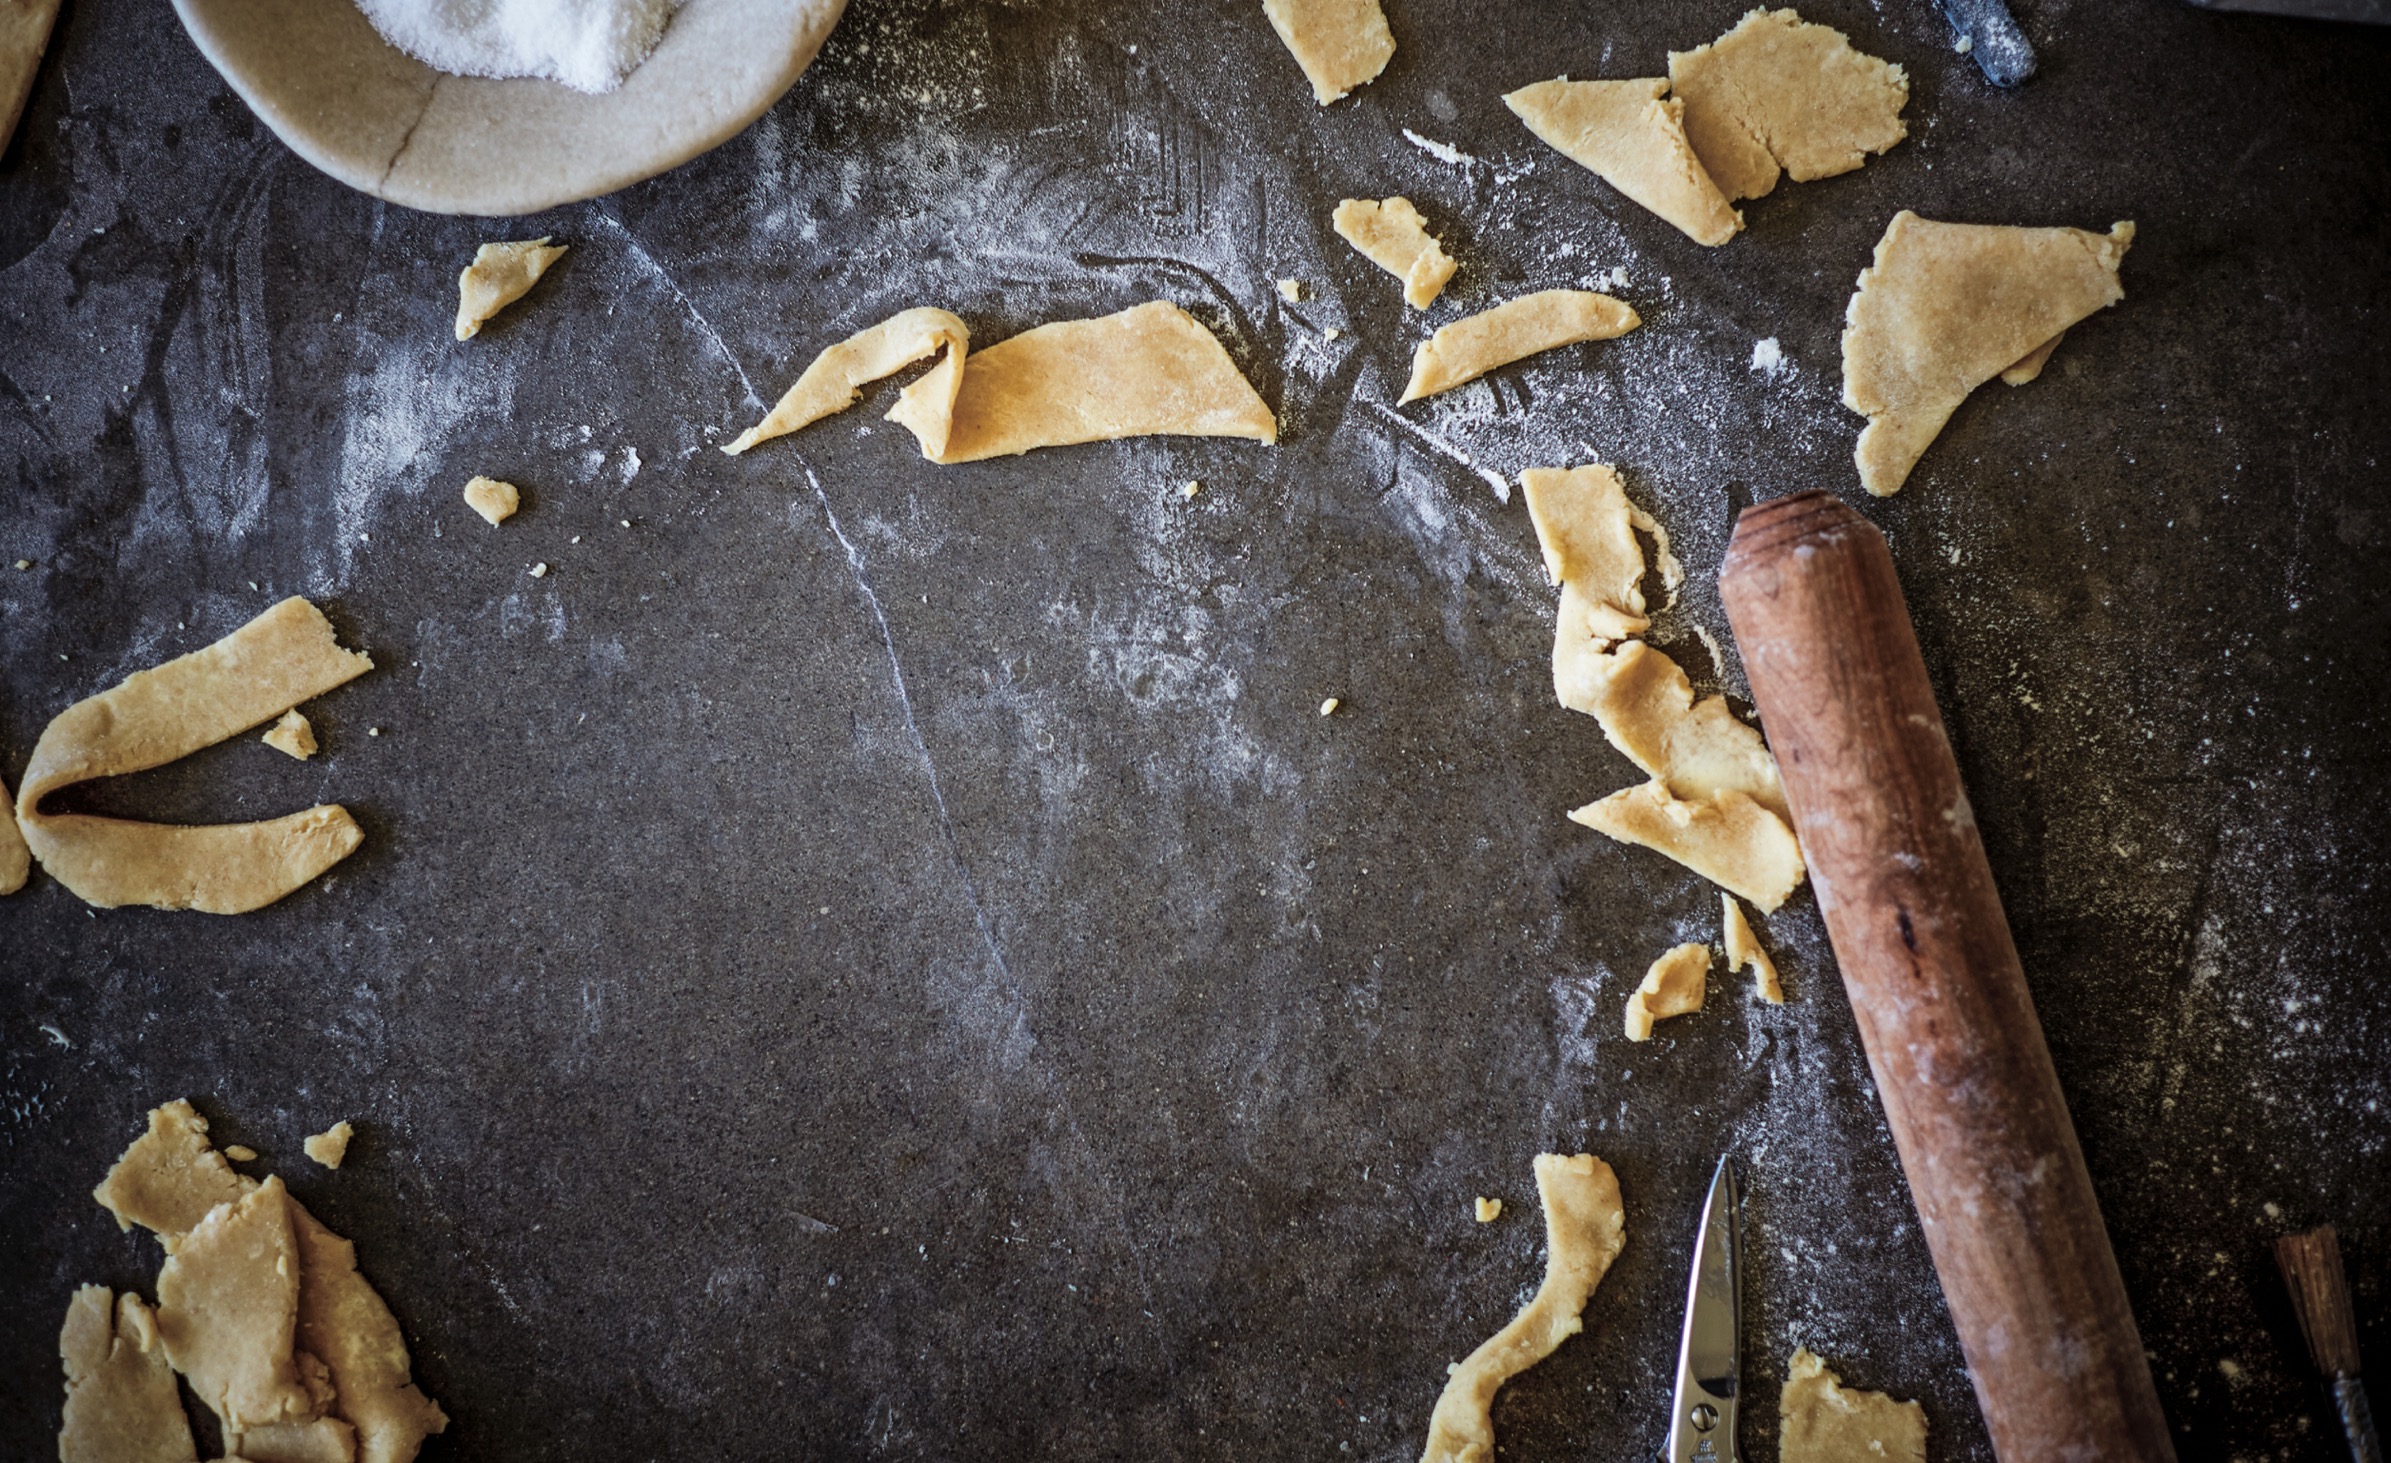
[1702,1414]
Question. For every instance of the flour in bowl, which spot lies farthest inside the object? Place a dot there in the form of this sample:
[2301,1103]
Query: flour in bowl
[589,45]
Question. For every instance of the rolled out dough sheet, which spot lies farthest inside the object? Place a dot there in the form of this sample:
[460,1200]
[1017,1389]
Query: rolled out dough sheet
[1587,529]
[1730,840]
[1391,234]
[1514,330]
[1585,1226]
[838,375]
[1340,44]
[1698,749]
[499,275]
[228,1305]
[1743,948]
[283,657]
[1778,94]
[1674,986]
[1632,134]
[1944,308]
[1819,1420]
[121,1401]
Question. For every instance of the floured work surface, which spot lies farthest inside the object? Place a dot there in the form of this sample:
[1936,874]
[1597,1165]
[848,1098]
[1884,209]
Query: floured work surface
[1190,997]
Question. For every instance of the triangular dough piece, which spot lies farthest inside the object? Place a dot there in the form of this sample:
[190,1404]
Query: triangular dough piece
[1945,308]
[1632,133]
[1513,330]
[1392,235]
[1674,986]
[1340,44]
[499,275]
[1779,94]
[1730,840]
[121,1402]
[1743,948]
[228,1300]
[1587,528]
[1698,749]
[1147,371]
[1822,1421]
[16,860]
[836,379]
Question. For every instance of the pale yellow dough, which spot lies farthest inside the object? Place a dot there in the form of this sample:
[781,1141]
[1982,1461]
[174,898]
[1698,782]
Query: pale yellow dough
[16,861]
[1584,1226]
[494,500]
[1587,529]
[228,1303]
[1633,135]
[331,1145]
[1743,948]
[1340,44]
[293,736]
[1674,986]
[1778,94]
[1822,1421]
[168,1179]
[24,35]
[121,1403]
[1944,308]
[838,375]
[499,275]
[325,1440]
[1700,750]
[1470,347]
[283,657]
[1730,840]
[1392,235]
[1489,1210]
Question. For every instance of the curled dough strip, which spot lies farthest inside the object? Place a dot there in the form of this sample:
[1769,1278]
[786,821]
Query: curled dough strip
[283,657]
[838,375]
[15,858]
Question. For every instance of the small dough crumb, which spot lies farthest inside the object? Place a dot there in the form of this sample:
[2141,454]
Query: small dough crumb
[1778,94]
[1743,948]
[1340,44]
[1822,1421]
[1393,236]
[239,1152]
[1489,1210]
[492,499]
[331,1145]
[121,1403]
[293,736]
[499,275]
[1191,490]
[1329,707]
[1514,330]
[539,570]
[1631,134]
[1290,290]
[1674,986]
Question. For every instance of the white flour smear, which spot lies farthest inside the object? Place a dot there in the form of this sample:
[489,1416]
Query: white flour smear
[589,45]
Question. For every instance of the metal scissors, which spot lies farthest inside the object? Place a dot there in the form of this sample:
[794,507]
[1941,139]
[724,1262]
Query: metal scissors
[1709,1358]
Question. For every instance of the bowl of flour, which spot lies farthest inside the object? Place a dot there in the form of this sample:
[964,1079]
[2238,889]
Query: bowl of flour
[505,107]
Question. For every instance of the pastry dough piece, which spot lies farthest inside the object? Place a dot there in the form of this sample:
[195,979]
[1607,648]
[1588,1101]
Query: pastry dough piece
[499,275]
[1730,840]
[1392,235]
[836,379]
[325,1440]
[1822,1421]
[1779,94]
[169,1178]
[24,35]
[343,1320]
[16,861]
[1944,308]
[1584,1228]
[1743,948]
[1632,134]
[293,736]
[1674,986]
[121,1402]
[1587,529]
[285,656]
[2030,366]
[495,501]
[1698,750]
[1151,370]
[1340,44]
[1514,330]
[331,1145]
[228,1303]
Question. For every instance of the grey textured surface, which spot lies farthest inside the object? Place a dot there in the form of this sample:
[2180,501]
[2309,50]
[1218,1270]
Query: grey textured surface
[874,959]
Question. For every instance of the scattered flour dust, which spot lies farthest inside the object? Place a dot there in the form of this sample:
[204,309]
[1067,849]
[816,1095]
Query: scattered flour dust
[589,45]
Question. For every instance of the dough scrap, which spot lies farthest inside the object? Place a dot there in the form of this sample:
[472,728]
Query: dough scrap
[1730,840]
[1632,134]
[283,657]
[1149,370]
[331,1145]
[1674,986]
[1514,330]
[1488,1210]
[1340,44]
[121,1402]
[1944,308]
[1778,94]
[1584,1226]
[1587,529]
[228,1305]
[24,35]
[169,1178]
[1698,750]
[1822,1421]
[1392,235]
[16,860]
[836,379]
[325,1440]
[1743,948]
[499,275]
[293,736]
[495,501]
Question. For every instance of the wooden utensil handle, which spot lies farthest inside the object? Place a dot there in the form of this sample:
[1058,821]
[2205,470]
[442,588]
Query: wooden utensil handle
[1934,980]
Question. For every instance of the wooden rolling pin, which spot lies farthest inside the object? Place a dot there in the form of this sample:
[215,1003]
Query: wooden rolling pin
[1934,979]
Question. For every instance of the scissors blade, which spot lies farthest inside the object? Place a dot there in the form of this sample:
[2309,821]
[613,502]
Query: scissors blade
[1709,1358]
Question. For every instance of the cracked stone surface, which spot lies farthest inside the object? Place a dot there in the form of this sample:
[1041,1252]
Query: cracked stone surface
[882,960]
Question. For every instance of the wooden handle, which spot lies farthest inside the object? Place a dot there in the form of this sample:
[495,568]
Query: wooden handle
[1934,980]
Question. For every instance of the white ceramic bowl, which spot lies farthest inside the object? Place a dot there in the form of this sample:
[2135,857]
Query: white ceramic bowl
[377,119]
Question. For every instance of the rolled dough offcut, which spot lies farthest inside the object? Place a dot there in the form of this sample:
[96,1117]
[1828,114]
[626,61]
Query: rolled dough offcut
[325,1440]
[1730,840]
[1743,948]
[1340,44]
[499,275]
[1944,308]
[121,1402]
[170,1177]
[1779,94]
[1632,134]
[1514,330]
[293,736]
[228,1305]
[1584,1227]
[331,1145]
[283,657]
[1674,986]
[1822,1421]
[1699,749]
[1149,370]
[24,35]
[16,861]
[838,375]
[1393,236]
